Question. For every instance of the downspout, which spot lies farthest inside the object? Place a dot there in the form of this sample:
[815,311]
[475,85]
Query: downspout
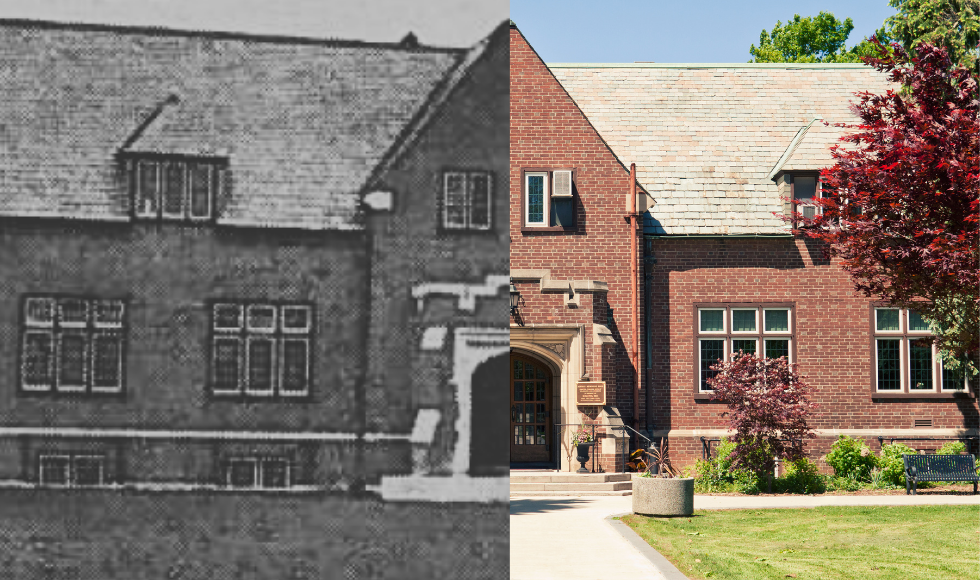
[634,280]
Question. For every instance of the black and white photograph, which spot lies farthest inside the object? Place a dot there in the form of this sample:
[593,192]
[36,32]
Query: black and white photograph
[254,274]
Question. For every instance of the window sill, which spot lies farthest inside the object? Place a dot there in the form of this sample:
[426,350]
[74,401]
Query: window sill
[526,229]
[706,397]
[931,395]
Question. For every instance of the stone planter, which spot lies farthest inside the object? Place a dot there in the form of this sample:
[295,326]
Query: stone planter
[656,496]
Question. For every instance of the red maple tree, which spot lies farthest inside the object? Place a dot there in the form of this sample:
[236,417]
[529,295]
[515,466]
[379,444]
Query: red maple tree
[768,408]
[900,205]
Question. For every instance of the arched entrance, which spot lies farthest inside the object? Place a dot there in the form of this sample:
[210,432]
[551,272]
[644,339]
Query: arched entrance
[488,443]
[531,431]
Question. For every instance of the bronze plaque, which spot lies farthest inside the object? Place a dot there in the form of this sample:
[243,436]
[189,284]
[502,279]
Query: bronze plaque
[590,393]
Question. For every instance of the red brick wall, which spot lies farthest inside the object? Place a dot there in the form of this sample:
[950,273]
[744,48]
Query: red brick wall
[547,130]
[833,340]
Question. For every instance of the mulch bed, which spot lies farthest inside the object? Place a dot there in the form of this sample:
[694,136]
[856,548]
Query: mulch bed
[966,489]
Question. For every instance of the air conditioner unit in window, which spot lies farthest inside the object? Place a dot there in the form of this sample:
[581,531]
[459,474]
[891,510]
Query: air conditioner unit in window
[809,211]
[562,183]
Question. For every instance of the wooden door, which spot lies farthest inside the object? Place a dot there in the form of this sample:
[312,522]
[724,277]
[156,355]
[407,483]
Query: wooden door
[530,411]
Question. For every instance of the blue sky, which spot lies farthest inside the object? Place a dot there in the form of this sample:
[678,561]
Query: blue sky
[455,23]
[674,30]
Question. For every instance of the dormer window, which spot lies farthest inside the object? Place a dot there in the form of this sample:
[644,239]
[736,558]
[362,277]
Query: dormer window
[175,189]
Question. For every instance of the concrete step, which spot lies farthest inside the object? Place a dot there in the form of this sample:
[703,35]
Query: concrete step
[583,487]
[555,477]
[519,494]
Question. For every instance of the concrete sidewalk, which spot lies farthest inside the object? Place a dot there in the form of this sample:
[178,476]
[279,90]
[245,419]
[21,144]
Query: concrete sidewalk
[570,538]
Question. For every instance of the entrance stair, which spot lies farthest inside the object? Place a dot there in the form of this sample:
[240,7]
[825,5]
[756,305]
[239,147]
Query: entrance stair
[548,482]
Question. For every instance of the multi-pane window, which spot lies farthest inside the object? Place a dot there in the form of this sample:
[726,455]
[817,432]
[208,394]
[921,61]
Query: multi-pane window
[175,189]
[905,356]
[261,349]
[72,345]
[466,200]
[71,470]
[726,330]
[258,473]
[548,199]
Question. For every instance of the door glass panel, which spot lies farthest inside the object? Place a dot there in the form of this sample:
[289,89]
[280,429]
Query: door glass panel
[528,391]
[528,371]
[540,391]
[529,435]
[540,414]
[529,412]
[540,432]
[518,369]
[518,390]
[518,434]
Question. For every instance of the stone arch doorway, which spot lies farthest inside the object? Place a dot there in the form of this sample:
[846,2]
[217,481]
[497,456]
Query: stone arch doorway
[488,443]
[531,423]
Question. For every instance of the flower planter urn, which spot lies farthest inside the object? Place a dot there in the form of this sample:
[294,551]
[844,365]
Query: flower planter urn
[583,456]
[658,496]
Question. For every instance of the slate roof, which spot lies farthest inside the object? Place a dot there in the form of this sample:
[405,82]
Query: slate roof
[705,138]
[303,122]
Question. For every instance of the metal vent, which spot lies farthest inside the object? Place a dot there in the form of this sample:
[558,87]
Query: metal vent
[562,186]
[922,423]
[809,212]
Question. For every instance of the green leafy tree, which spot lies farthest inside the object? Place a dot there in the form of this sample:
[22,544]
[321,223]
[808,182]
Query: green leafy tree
[817,38]
[952,24]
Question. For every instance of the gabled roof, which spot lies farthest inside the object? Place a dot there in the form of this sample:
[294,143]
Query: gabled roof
[437,101]
[706,137]
[302,122]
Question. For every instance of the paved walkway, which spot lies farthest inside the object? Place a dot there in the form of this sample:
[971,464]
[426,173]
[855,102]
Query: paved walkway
[570,538]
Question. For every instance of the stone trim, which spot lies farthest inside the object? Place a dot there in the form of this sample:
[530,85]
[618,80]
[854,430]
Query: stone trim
[547,285]
[466,293]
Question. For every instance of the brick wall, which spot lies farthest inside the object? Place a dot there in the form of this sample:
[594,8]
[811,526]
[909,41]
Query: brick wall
[833,339]
[547,130]
[168,272]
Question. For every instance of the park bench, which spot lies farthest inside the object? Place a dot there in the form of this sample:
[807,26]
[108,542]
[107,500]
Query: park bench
[920,468]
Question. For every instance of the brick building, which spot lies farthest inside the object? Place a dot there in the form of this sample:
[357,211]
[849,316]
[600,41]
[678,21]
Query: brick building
[570,261]
[206,241]
[721,148]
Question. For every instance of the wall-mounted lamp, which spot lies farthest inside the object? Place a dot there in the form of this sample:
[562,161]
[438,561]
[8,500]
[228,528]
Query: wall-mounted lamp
[515,304]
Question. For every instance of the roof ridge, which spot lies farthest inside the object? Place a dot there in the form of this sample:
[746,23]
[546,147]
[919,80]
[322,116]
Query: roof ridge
[695,65]
[221,35]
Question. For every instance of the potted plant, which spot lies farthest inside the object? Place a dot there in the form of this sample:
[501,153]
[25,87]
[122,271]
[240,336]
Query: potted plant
[659,491]
[582,440]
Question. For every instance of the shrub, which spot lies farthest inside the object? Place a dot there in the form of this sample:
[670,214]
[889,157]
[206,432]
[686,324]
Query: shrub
[892,466]
[952,448]
[851,456]
[802,476]
[768,405]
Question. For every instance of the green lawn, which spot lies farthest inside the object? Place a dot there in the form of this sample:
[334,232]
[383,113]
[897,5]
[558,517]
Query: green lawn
[825,543]
[108,535]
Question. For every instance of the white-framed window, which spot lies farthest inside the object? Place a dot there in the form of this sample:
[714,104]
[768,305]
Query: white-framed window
[175,189]
[261,349]
[70,470]
[547,199]
[537,199]
[258,473]
[724,330]
[467,200]
[906,360]
[72,344]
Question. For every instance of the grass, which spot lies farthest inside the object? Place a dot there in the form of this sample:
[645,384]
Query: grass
[825,543]
[88,534]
